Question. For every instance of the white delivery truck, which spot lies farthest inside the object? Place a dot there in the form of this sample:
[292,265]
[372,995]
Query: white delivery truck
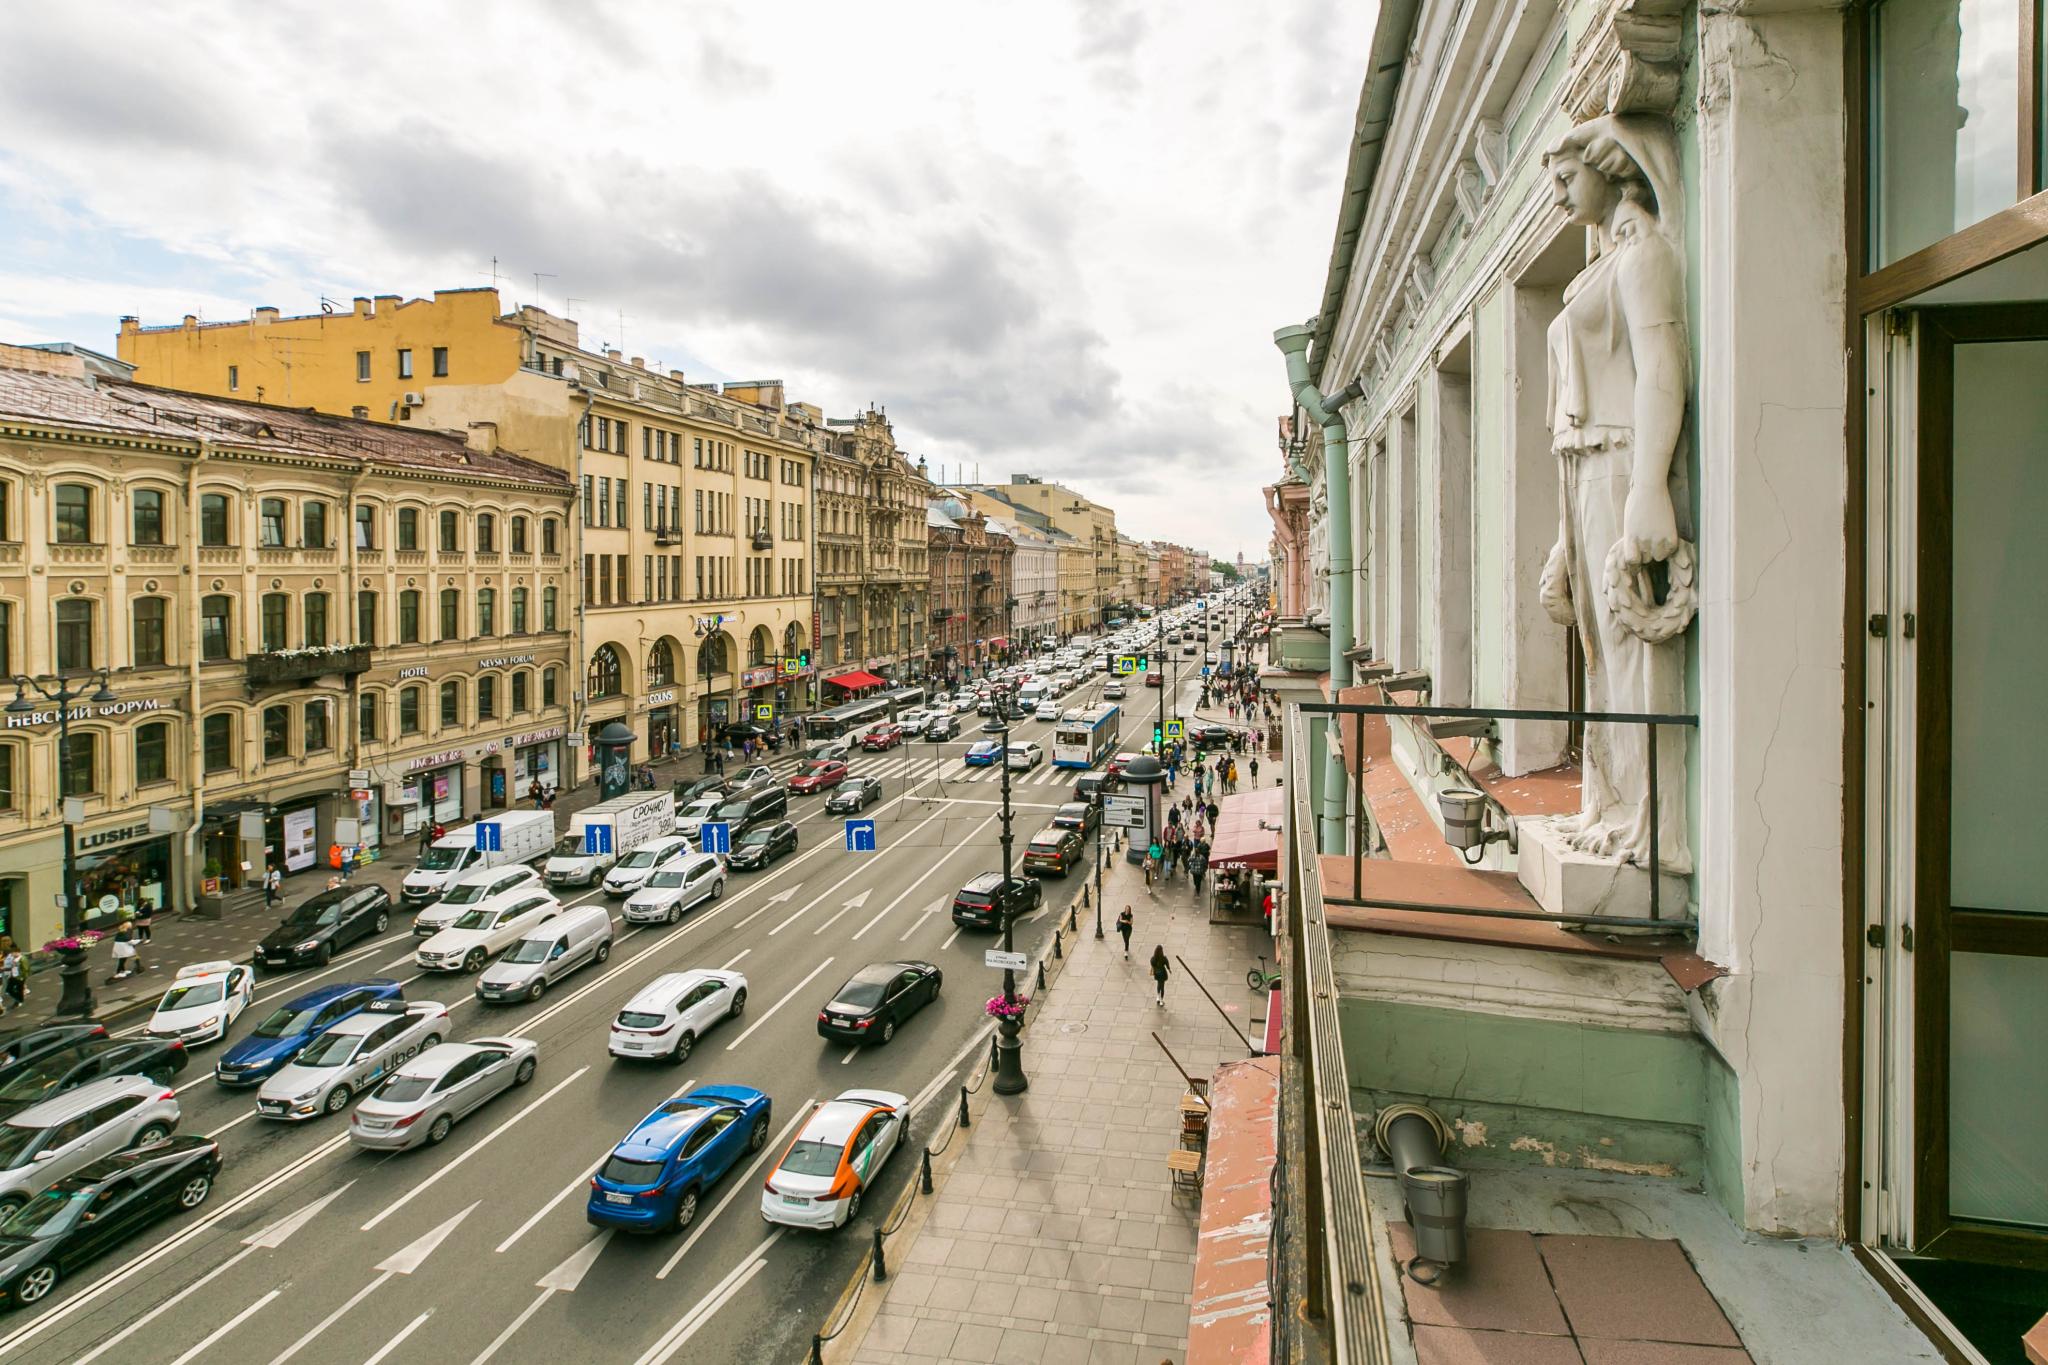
[606,832]
[515,836]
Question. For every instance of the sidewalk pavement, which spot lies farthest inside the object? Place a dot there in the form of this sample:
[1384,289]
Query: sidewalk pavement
[182,939]
[1056,1237]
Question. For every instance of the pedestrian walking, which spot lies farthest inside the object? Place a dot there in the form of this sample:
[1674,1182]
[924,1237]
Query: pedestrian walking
[1255,769]
[1160,971]
[273,880]
[14,972]
[348,862]
[127,958]
[1125,922]
[144,921]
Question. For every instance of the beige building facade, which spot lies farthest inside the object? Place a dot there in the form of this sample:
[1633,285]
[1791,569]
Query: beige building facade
[873,596]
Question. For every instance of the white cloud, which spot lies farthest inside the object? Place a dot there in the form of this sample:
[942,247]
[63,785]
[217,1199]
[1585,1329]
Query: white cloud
[1052,238]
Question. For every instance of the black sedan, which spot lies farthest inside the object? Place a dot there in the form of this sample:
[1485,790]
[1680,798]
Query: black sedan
[876,999]
[96,1209]
[763,845]
[30,1044]
[53,1073]
[686,792]
[1080,815]
[855,794]
[326,924]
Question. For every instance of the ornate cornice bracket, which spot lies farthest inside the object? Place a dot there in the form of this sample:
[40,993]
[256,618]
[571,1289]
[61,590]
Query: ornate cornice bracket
[1628,62]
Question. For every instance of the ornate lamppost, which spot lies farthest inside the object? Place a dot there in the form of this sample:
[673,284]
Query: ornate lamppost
[1009,1077]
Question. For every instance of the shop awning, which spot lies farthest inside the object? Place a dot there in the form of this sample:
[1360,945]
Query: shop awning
[1240,839]
[856,680]
[1000,642]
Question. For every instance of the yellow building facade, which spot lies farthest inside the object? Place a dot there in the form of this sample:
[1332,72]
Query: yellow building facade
[691,544]
[1092,527]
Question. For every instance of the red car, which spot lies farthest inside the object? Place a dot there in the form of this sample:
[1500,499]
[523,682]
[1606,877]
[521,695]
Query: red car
[882,737]
[1116,764]
[817,775]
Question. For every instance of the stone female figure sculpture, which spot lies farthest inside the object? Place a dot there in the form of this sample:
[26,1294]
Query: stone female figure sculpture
[1620,574]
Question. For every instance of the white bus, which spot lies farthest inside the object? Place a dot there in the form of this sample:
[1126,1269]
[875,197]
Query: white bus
[1087,740]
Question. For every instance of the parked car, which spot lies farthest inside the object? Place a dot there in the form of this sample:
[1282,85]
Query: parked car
[325,924]
[885,736]
[762,845]
[876,1000]
[1053,850]
[351,1057]
[654,1178]
[418,1104]
[291,1026]
[673,890]
[854,795]
[47,1142]
[546,954]
[665,1020]
[975,905]
[1024,754]
[821,1178]
[983,753]
[817,776]
[98,1207]
[481,887]
[1077,815]
[203,1000]
[57,1072]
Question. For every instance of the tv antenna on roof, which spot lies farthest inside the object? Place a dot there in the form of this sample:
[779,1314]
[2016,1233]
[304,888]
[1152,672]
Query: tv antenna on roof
[494,272]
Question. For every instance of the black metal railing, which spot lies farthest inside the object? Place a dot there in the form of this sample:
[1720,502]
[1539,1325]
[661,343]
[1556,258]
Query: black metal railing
[1358,711]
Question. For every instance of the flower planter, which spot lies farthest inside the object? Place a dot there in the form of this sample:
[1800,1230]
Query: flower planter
[301,665]
[75,974]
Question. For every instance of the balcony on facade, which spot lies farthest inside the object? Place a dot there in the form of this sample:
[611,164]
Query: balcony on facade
[280,667]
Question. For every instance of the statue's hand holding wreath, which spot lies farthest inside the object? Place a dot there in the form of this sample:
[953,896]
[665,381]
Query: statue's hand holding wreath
[1649,535]
[1649,527]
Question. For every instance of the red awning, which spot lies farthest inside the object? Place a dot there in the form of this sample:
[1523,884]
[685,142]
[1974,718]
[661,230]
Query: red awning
[1000,642]
[856,680]
[1239,841]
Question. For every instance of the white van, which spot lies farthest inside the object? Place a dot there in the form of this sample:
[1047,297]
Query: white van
[515,836]
[1032,693]
[545,955]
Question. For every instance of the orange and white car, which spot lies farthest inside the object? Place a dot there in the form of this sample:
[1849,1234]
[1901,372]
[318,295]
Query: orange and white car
[834,1159]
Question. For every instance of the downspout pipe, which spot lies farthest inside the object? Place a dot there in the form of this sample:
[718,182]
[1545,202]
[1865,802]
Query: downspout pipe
[195,727]
[1293,343]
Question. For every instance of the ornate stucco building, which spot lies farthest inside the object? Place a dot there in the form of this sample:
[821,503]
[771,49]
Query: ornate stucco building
[313,629]
[971,588]
[873,579]
[692,540]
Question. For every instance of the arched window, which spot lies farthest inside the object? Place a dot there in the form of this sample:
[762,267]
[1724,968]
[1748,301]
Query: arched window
[146,517]
[518,535]
[451,614]
[661,665]
[550,687]
[270,523]
[451,532]
[548,543]
[148,622]
[213,519]
[408,528]
[277,733]
[75,635]
[711,656]
[758,646]
[486,532]
[370,717]
[547,608]
[218,736]
[487,611]
[519,623]
[486,697]
[521,687]
[216,627]
[78,763]
[277,621]
[604,673]
[451,703]
[73,505]
[316,726]
[152,753]
[316,621]
[409,711]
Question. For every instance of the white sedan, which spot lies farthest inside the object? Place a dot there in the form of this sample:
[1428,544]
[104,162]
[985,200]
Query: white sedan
[203,1000]
[486,931]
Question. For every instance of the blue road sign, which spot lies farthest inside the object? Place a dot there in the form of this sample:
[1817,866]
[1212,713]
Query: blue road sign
[860,836]
[489,839]
[716,837]
[597,838]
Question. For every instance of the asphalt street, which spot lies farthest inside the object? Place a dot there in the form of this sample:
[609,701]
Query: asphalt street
[477,1249]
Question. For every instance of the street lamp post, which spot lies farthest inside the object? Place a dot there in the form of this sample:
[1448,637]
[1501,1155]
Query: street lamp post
[1009,1078]
[1101,833]
[62,698]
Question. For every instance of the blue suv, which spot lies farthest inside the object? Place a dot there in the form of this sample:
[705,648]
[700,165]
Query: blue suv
[653,1180]
[291,1026]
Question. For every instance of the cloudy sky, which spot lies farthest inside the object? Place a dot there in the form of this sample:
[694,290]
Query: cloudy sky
[1050,238]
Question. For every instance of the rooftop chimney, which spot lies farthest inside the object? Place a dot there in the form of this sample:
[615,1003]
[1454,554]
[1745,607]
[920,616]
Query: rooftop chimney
[388,301]
[191,322]
[639,362]
[615,356]
[265,314]
[483,437]
[362,306]
[131,323]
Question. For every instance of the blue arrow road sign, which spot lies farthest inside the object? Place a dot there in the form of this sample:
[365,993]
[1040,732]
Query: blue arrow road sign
[489,839]
[716,838]
[597,838]
[860,836]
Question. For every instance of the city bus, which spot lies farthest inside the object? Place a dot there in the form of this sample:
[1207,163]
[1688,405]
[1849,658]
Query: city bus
[901,699]
[1086,741]
[854,718]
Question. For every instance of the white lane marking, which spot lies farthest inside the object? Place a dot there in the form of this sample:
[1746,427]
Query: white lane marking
[918,923]
[512,1327]
[321,1326]
[769,1013]
[949,939]
[937,866]
[569,1274]
[404,1332]
[169,1244]
[856,903]
[727,964]
[979,1039]
[230,1325]
[851,1053]
[774,900]
[745,1181]
[232,1123]
[898,840]
[486,1141]
[709,1305]
[580,1182]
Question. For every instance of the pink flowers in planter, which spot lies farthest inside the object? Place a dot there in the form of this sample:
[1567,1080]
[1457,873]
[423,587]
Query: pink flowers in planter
[999,1008]
[73,942]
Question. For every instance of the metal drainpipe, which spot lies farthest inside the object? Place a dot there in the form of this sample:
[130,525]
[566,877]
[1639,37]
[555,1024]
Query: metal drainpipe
[1293,343]
[578,670]
[195,737]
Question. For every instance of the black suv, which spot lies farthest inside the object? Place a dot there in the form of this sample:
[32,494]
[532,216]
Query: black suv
[324,925]
[747,811]
[974,905]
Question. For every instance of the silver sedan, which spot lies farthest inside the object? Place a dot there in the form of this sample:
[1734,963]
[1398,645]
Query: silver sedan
[418,1104]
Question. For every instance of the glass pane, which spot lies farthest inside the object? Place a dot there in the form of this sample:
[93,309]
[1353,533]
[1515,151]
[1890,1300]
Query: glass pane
[1944,119]
[2000,625]
[1998,1089]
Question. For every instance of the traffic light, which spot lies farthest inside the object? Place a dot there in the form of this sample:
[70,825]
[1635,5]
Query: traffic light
[803,658]
[1158,737]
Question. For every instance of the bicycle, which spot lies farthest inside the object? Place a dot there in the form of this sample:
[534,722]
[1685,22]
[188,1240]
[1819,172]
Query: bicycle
[1260,979]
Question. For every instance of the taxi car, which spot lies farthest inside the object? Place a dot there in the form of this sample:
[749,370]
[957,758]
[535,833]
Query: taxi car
[423,1099]
[351,1057]
[292,1025]
[653,1179]
[203,1000]
[834,1158]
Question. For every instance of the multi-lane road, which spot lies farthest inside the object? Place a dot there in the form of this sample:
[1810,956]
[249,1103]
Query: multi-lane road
[477,1249]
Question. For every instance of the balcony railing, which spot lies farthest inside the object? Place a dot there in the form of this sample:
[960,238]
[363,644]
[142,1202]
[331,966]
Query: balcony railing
[300,665]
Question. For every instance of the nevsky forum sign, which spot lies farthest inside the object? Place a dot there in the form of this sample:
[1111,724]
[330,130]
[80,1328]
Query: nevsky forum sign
[30,719]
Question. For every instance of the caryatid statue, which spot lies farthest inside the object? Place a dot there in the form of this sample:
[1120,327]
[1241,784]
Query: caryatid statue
[1620,574]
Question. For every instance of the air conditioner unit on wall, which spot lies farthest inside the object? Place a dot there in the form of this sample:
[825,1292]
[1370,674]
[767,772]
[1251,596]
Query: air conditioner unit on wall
[413,400]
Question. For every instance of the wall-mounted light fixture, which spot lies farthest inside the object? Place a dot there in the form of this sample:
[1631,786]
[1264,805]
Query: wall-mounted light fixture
[1465,820]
